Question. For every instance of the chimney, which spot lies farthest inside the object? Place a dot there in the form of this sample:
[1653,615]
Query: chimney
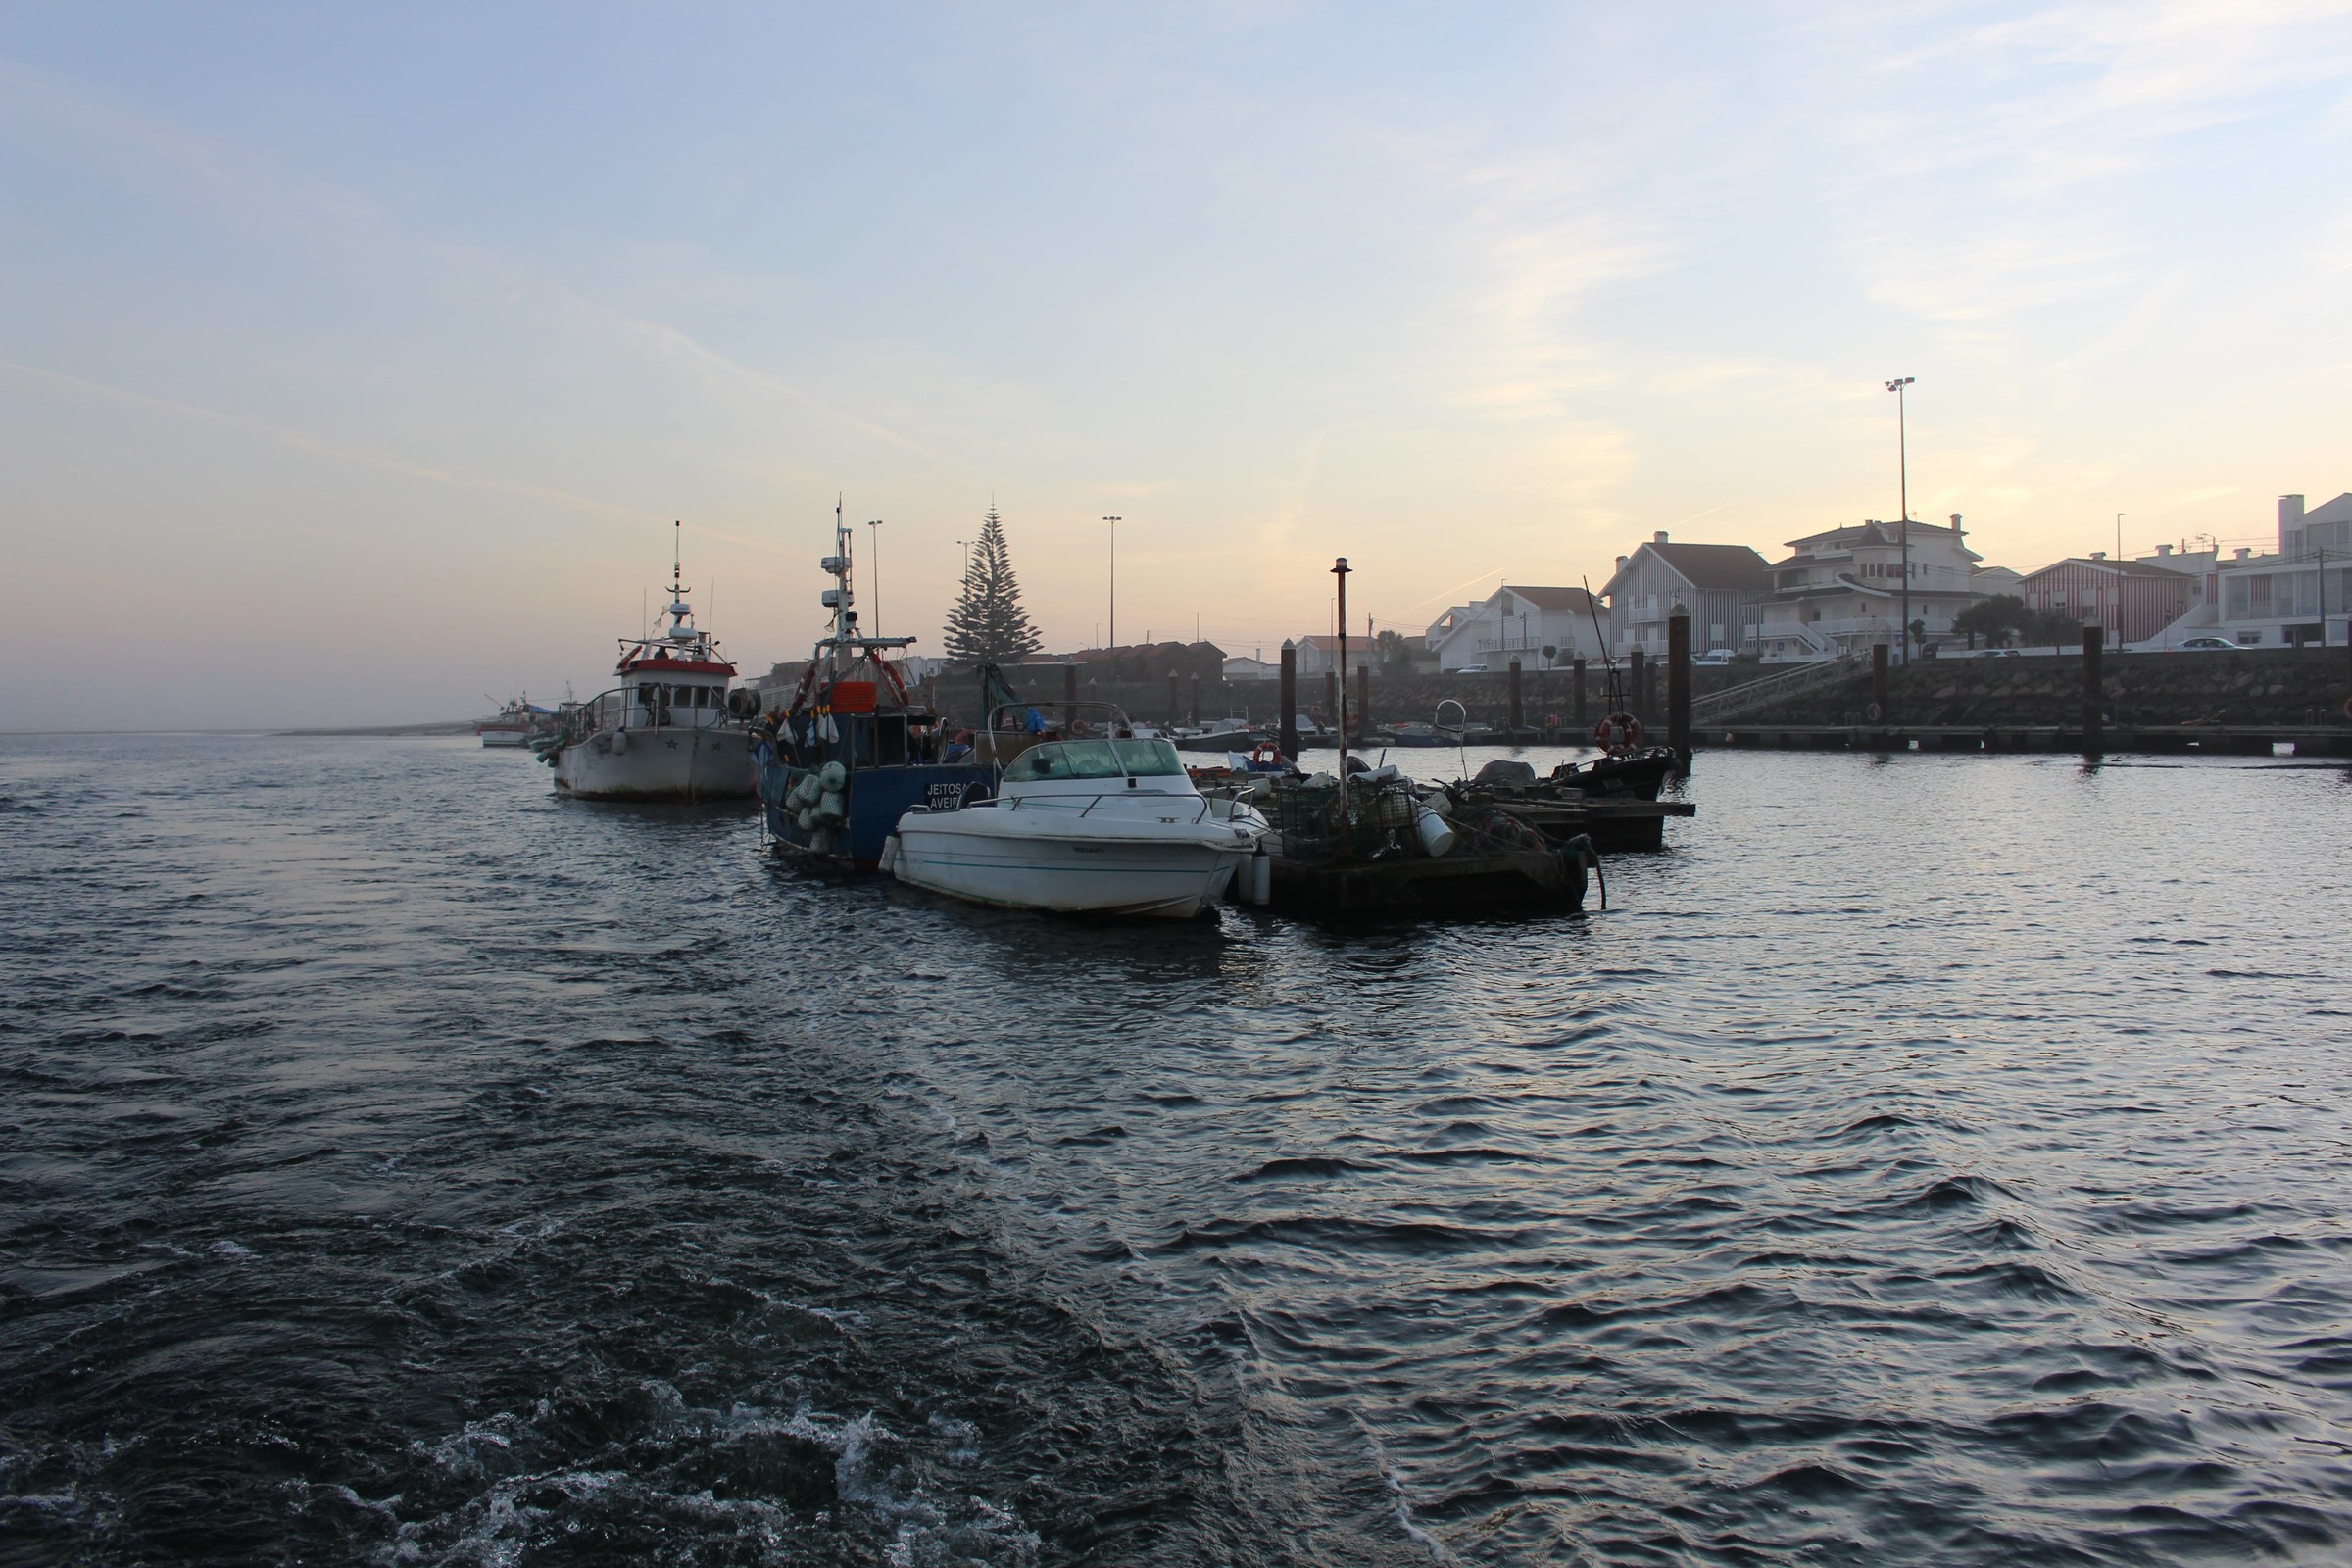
[2163,551]
[2244,551]
[1659,537]
[1956,523]
[1620,563]
[2098,554]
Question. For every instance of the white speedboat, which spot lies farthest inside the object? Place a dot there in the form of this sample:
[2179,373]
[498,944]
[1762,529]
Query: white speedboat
[1106,824]
[672,730]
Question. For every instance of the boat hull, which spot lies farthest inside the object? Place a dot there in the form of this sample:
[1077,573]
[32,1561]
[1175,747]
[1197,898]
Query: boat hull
[1069,868]
[876,798]
[671,763]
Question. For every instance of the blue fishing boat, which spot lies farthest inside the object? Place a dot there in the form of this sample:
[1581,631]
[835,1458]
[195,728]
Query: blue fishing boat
[853,748]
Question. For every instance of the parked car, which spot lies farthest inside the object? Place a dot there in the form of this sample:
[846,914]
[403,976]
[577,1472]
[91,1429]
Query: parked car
[2208,645]
[1714,656]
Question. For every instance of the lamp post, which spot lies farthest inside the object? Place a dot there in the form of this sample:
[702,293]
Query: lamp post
[874,538]
[1114,581]
[1902,457]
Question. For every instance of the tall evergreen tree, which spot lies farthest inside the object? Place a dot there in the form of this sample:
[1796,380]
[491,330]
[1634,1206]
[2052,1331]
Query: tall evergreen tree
[987,623]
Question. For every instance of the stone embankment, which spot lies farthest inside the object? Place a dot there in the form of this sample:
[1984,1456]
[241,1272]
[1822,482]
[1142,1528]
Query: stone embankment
[2272,686]
[2281,686]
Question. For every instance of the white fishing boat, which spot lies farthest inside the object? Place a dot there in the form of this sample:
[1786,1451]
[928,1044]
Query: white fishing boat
[673,730]
[1092,823]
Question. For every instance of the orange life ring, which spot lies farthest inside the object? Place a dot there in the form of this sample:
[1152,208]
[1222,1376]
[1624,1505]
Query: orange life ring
[1618,732]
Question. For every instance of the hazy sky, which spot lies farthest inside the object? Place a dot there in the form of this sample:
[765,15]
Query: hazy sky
[354,361]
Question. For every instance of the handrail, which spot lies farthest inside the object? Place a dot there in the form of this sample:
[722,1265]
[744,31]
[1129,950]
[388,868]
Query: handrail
[1098,798]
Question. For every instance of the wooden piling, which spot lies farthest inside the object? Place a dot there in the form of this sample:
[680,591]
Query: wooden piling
[1878,684]
[1584,723]
[2094,639]
[1289,731]
[1364,698]
[1678,688]
[1070,695]
[1639,694]
[1176,699]
[1196,701]
[1518,704]
[1331,699]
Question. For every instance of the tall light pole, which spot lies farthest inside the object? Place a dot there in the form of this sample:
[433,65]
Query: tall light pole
[874,539]
[1902,457]
[1114,581]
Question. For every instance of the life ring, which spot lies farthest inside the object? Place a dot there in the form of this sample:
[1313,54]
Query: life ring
[2348,708]
[1265,754]
[1873,712]
[1618,732]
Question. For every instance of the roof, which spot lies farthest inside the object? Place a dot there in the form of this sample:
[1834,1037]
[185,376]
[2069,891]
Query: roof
[1716,568]
[2121,568]
[1549,597]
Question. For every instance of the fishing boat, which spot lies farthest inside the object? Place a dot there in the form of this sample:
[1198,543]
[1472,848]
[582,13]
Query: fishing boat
[514,725]
[854,747]
[1086,818]
[674,729]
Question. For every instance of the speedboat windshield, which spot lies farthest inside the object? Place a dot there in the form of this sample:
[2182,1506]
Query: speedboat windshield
[1057,760]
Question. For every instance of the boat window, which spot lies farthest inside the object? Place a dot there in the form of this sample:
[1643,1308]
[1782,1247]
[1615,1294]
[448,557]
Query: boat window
[1064,760]
[1150,758]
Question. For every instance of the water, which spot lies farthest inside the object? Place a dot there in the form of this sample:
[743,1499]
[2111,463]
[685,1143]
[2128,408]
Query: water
[1924,1161]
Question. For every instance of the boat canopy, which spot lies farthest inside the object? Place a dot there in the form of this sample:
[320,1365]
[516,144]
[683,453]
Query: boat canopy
[1110,759]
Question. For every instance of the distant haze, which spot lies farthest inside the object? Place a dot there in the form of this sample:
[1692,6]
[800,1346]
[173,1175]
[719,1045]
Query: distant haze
[354,361]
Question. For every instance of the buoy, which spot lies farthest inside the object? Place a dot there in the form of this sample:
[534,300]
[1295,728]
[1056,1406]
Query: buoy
[1257,885]
[1437,834]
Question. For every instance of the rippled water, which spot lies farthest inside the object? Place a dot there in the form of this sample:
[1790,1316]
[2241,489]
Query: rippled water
[1927,1159]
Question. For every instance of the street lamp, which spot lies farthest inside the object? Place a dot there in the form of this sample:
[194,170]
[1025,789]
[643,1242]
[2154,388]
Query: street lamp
[875,539]
[1114,581]
[1902,456]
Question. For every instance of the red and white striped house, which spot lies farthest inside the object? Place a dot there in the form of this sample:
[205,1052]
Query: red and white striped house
[2133,600]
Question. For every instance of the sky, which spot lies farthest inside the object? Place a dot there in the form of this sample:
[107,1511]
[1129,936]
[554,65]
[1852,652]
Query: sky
[355,362]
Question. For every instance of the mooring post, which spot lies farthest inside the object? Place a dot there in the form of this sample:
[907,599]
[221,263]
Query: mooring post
[1196,701]
[1289,731]
[1339,570]
[1176,697]
[1364,698]
[1070,695]
[2094,639]
[1677,688]
[1878,684]
[1583,726]
[1518,708]
[1331,697]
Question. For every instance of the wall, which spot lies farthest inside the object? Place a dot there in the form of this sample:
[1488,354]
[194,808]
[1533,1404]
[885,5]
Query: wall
[2284,686]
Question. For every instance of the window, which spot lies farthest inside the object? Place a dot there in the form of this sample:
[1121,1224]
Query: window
[1095,759]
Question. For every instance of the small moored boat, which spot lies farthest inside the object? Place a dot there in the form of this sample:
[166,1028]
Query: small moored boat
[1099,823]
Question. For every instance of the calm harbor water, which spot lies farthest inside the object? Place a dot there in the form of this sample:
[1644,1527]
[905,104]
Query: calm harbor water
[1927,1159]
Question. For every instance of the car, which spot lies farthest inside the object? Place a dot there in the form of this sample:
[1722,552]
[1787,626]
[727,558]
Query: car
[1714,656]
[2208,645]
[1471,669]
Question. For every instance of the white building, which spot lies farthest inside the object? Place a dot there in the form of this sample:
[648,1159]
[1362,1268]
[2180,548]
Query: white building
[2300,594]
[1243,668]
[1842,591]
[1540,627]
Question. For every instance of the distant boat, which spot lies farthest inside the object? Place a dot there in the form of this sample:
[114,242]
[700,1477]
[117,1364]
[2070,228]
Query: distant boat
[673,730]
[516,724]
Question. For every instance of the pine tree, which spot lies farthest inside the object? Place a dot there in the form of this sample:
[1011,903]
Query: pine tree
[987,623]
